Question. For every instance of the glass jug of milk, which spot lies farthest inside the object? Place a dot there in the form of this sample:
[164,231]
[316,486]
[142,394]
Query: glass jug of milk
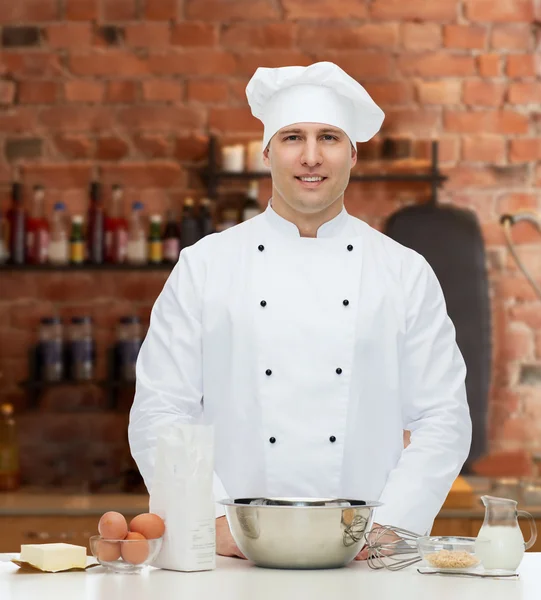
[499,544]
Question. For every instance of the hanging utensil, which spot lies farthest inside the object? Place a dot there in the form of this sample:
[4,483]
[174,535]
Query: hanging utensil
[507,221]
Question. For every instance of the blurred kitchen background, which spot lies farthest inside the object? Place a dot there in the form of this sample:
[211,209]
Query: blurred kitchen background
[125,135]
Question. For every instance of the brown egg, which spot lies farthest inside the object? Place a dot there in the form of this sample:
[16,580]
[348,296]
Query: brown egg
[108,551]
[113,526]
[134,548]
[148,524]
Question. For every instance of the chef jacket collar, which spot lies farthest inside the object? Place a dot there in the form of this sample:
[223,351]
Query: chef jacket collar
[332,228]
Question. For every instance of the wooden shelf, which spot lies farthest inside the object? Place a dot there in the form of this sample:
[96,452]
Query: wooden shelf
[405,177]
[38,385]
[431,173]
[87,267]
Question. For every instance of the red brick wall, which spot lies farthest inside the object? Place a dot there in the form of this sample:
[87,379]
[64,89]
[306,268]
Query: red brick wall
[135,86]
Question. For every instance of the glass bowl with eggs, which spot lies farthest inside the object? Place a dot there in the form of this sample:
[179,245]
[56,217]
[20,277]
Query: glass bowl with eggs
[127,548]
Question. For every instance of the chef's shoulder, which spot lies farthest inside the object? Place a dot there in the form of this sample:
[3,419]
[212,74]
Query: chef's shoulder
[391,255]
[216,247]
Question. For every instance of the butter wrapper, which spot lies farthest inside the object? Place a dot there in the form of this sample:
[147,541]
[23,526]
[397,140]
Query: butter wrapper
[30,568]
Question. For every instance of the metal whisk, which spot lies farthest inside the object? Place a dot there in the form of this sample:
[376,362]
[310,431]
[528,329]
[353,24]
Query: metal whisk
[386,552]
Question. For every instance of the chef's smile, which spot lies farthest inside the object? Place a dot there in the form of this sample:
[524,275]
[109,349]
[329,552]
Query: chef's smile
[310,181]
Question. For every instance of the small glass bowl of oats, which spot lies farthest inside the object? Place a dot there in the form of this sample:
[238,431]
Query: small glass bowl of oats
[448,553]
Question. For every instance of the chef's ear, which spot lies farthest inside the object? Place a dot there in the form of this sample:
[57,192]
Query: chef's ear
[266,159]
[353,156]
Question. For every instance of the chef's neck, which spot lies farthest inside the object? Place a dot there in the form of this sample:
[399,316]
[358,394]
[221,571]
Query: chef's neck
[307,223]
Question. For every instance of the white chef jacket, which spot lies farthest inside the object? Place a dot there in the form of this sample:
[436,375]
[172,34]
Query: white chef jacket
[310,356]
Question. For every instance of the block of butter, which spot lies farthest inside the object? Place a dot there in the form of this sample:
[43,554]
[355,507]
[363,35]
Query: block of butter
[54,557]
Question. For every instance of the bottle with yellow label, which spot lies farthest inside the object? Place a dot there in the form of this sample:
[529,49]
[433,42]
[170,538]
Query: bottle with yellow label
[77,241]
[155,241]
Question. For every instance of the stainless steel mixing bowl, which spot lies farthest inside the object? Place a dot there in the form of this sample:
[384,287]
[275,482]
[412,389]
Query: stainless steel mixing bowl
[299,533]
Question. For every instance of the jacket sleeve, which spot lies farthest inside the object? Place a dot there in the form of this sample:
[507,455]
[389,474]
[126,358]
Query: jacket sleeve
[169,385]
[434,409]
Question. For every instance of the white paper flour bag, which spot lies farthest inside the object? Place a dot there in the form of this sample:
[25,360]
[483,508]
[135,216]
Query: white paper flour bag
[182,495]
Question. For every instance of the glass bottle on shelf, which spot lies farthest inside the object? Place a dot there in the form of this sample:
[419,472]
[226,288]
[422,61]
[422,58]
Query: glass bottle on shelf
[251,207]
[51,349]
[95,233]
[155,243]
[116,229]
[137,239]
[82,349]
[77,241]
[129,340]
[16,226]
[206,223]
[110,218]
[10,471]
[37,231]
[229,218]
[189,226]
[171,238]
[59,251]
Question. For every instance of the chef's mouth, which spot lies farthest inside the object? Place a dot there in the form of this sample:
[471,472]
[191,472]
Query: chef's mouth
[311,179]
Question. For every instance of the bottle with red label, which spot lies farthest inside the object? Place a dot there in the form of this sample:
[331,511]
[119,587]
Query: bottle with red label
[16,227]
[37,233]
[171,238]
[116,229]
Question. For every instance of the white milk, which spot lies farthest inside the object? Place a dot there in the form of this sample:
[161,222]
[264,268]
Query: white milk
[504,548]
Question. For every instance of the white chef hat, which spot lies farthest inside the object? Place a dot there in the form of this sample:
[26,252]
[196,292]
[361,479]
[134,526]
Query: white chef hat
[320,93]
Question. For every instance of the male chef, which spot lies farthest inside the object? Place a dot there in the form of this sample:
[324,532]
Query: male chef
[307,338]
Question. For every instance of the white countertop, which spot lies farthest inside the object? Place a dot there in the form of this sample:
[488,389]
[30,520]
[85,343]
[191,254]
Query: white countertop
[236,579]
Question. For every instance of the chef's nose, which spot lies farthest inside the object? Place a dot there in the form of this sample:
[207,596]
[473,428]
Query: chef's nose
[311,153]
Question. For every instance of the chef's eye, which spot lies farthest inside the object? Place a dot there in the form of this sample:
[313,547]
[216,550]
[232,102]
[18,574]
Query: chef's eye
[292,137]
[329,137]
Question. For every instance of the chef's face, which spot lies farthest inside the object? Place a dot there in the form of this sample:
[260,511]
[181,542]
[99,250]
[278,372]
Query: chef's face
[310,165]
